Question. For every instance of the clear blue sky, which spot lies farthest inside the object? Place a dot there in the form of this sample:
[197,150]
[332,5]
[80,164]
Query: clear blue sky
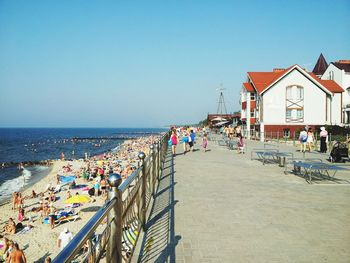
[151,63]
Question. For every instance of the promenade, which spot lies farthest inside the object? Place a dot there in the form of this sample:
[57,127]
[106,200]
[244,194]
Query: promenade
[220,206]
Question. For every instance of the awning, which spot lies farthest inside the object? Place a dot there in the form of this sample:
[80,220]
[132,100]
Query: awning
[219,119]
[221,123]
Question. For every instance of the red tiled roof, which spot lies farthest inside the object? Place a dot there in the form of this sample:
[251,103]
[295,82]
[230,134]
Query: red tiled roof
[248,87]
[263,80]
[330,85]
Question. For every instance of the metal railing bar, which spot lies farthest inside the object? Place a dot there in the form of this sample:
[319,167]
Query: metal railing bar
[125,216]
[83,235]
[129,180]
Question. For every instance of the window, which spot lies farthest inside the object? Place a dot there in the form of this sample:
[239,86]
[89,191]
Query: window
[294,103]
[252,113]
[252,96]
[300,93]
[289,93]
[348,90]
[299,114]
[331,75]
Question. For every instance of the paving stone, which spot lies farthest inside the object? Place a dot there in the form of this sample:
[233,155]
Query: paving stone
[232,209]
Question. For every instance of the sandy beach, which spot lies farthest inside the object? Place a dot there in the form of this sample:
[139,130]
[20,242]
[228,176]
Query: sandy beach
[40,241]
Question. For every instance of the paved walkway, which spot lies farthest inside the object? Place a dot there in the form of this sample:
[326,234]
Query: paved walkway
[220,206]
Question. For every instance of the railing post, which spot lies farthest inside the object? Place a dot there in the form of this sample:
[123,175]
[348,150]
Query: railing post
[294,139]
[114,246]
[158,159]
[142,156]
[153,168]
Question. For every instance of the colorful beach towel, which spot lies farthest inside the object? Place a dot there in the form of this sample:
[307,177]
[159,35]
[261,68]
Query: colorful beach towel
[67,179]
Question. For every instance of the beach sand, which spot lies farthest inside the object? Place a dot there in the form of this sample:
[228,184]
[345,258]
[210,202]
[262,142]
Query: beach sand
[41,240]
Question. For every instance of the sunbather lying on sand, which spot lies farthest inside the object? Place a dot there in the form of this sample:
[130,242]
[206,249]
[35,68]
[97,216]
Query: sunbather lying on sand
[10,227]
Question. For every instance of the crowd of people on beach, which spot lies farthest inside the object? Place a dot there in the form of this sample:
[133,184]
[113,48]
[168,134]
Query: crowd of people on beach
[52,203]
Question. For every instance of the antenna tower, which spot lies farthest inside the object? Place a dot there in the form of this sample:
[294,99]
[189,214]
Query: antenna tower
[221,103]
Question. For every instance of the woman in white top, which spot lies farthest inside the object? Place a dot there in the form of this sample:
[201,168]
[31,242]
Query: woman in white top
[310,139]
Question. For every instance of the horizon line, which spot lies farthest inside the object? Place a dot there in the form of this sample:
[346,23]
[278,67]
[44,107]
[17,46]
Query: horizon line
[55,127]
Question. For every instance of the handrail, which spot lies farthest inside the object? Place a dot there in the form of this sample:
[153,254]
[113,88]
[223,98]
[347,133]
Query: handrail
[125,212]
[129,180]
[83,235]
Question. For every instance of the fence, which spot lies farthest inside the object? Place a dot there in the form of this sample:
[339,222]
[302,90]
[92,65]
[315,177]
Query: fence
[114,230]
[292,137]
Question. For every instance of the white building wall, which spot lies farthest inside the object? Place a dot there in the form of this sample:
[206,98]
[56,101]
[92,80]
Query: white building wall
[248,115]
[346,86]
[274,102]
[243,99]
[342,78]
[336,109]
[337,74]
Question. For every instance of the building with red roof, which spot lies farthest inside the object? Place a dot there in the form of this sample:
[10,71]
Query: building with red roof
[339,72]
[285,100]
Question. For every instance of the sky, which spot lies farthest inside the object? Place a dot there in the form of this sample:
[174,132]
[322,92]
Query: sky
[78,63]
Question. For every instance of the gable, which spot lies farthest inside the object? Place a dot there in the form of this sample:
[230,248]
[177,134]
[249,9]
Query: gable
[262,81]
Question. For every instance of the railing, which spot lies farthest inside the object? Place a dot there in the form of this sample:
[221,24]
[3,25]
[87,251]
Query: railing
[113,231]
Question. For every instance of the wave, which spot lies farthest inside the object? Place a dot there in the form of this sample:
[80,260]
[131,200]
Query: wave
[40,168]
[26,173]
[10,186]
[27,176]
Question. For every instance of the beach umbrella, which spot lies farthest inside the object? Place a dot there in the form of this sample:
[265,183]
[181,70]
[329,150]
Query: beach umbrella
[77,199]
[99,163]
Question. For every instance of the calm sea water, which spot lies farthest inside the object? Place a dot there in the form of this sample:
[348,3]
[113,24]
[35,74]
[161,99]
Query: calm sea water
[35,144]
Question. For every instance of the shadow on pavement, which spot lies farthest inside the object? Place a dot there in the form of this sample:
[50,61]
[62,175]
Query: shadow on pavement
[159,240]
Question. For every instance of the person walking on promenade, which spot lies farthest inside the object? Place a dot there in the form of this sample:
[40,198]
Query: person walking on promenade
[191,140]
[310,139]
[324,140]
[240,144]
[231,132]
[238,131]
[173,139]
[302,140]
[205,142]
[17,255]
[184,140]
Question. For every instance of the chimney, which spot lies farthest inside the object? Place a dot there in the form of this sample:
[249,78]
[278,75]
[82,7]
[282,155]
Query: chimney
[278,69]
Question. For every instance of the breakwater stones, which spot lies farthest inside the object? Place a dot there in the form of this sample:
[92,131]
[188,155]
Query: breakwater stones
[28,163]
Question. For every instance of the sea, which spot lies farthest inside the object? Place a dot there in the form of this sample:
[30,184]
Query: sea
[38,144]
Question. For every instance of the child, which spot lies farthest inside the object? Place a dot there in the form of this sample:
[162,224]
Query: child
[240,144]
[205,142]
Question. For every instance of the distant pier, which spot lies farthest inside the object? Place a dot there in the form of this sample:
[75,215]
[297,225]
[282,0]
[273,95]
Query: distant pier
[104,138]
